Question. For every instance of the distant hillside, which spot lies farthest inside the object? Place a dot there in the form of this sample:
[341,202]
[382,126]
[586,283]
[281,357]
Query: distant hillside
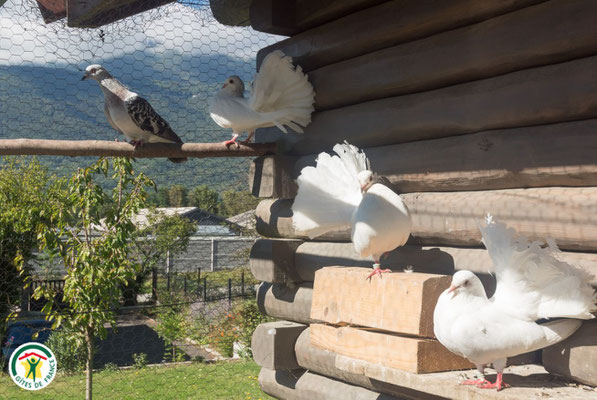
[53,103]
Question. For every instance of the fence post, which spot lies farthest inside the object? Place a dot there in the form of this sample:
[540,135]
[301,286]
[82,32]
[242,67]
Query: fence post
[168,265]
[154,284]
[198,281]
[214,249]
[229,292]
[205,289]
[242,283]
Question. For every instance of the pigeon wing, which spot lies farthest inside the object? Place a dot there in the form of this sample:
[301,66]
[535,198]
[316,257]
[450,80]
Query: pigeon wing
[532,281]
[146,118]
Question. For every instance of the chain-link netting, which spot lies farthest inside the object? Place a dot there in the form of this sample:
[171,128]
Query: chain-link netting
[184,318]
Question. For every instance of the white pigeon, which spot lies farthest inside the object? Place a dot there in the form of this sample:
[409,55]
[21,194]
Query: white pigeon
[341,192]
[532,284]
[280,95]
[129,113]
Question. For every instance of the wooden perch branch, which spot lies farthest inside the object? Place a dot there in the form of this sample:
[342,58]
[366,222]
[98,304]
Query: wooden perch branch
[76,148]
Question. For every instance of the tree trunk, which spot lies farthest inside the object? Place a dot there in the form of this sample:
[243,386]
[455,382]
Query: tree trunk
[89,382]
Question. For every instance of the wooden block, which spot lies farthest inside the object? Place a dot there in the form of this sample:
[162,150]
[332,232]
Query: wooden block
[536,96]
[412,297]
[273,260]
[576,357]
[270,176]
[561,31]
[301,384]
[272,344]
[416,355]
[290,304]
[231,12]
[527,381]
[568,215]
[383,26]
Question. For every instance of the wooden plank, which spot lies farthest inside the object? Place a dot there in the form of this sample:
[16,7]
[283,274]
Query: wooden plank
[412,297]
[562,31]
[386,25]
[568,215]
[416,355]
[231,12]
[536,96]
[273,260]
[301,384]
[576,357]
[290,304]
[289,17]
[527,381]
[537,156]
[273,343]
[269,175]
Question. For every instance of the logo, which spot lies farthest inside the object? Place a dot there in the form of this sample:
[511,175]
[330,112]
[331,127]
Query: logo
[32,366]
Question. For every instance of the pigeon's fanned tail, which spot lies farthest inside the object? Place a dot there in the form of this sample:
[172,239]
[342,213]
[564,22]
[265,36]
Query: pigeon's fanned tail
[283,89]
[328,195]
[533,282]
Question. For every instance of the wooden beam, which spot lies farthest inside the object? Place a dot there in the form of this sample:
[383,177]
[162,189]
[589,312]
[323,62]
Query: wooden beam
[527,382]
[96,13]
[301,384]
[272,344]
[568,215]
[323,362]
[290,304]
[289,17]
[412,297]
[537,96]
[409,354]
[231,12]
[273,260]
[562,31]
[536,156]
[576,357]
[385,25]
[104,148]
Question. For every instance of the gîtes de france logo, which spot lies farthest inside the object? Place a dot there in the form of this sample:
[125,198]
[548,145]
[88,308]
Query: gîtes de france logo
[32,366]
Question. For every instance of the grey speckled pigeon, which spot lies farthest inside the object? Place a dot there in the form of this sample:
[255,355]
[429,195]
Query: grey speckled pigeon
[130,114]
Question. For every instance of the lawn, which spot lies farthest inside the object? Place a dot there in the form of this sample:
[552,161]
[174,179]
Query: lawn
[224,380]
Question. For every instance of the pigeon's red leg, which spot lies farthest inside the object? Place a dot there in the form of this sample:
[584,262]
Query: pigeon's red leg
[136,143]
[231,141]
[499,384]
[377,270]
[248,140]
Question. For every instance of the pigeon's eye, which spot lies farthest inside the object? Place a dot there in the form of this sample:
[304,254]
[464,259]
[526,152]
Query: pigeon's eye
[465,283]
[93,71]
[231,81]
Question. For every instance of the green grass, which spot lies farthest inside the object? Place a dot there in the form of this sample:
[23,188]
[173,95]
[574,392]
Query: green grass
[224,380]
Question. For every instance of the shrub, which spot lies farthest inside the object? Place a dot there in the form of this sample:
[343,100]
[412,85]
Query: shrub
[70,354]
[140,360]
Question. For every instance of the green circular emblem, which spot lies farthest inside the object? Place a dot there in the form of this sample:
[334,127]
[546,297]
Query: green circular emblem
[32,366]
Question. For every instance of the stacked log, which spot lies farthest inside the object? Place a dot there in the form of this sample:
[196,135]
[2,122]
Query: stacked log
[465,113]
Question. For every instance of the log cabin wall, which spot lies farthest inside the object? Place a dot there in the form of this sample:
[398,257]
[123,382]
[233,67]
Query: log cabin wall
[467,107]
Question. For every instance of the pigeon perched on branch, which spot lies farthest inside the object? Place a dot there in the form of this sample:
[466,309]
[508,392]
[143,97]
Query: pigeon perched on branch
[281,95]
[342,192]
[533,285]
[129,113]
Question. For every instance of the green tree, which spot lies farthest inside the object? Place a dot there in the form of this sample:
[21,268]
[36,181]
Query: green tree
[205,198]
[163,234]
[91,236]
[27,192]
[236,202]
[177,196]
[163,198]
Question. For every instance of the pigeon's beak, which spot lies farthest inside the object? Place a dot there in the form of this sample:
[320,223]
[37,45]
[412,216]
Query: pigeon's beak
[452,290]
[224,85]
[84,77]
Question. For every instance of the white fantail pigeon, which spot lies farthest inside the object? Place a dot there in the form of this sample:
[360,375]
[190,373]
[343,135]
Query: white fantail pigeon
[341,192]
[281,95]
[129,113]
[533,285]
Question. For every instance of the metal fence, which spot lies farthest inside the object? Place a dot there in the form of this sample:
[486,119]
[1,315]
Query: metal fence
[174,336]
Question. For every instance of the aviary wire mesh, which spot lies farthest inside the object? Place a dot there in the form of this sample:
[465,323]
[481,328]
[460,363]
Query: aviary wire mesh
[196,306]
